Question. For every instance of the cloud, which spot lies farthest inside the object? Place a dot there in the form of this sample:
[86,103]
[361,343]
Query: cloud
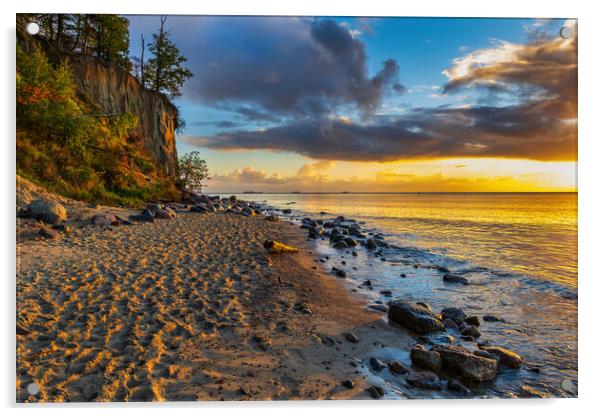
[274,68]
[540,124]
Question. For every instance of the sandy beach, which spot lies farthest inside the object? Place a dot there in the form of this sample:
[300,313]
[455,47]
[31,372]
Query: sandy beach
[192,308]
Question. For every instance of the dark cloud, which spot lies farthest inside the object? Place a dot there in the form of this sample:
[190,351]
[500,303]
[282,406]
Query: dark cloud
[273,68]
[541,76]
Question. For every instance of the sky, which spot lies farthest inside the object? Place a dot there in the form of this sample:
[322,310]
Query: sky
[281,104]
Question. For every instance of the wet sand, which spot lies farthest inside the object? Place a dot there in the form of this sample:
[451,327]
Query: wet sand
[191,308]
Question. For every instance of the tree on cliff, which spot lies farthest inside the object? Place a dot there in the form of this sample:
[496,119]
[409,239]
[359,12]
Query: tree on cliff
[165,71]
[193,171]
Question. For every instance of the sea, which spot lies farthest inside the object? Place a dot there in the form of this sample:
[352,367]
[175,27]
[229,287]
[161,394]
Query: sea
[518,251]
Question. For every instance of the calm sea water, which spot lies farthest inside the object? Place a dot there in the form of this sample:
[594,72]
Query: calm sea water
[518,250]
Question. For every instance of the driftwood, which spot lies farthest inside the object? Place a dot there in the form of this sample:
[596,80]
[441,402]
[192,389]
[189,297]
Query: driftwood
[275,247]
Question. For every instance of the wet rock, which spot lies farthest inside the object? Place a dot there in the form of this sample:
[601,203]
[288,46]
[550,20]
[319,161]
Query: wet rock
[442,269]
[473,320]
[340,245]
[450,324]
[339,272]
[371,244]
[386,292]
[348,383]
[455,314]
[507,357]
[456,386]
[485,354]
[424,380]
[367,283]
[429,360]
[380,308]
[351,337]
[470,331]
[350,242]
[454,278]
[376,364]
[459,362]
[403,275]
[396,367]
[49,233]
[233,199]
[48,211]
[272,218]
[376,392]
[491,318]
[415,317]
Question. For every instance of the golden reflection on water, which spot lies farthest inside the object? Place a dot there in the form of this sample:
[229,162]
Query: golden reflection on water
[532,233]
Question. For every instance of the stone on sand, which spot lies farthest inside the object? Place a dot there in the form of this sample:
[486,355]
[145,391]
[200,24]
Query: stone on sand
[46,210]
[415,317]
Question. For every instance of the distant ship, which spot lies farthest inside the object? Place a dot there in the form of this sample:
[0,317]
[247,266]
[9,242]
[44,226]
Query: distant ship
[296,192]
[345,192]
[252,192]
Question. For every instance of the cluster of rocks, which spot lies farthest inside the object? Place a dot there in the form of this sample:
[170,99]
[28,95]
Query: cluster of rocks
[445,360]
[51,215]
[156,211]
[343,233]
[208,203]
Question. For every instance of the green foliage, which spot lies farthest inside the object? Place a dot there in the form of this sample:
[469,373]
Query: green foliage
[63,145]
[165,72]
[113,40]
[193,171]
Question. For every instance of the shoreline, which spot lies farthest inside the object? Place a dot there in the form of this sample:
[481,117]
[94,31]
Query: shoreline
[98,323]
[201,311]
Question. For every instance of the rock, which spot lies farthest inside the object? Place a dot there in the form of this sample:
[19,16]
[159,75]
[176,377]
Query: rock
[457,387]
[424,380]
[403,275]
[459,362]
[154,207]
[485,354]
[491,318]
[455,314]
[276,247]
[371,244]
[367,283]
[386,292]
[339,272]
[454,278]
[248,211]
[162,215]
[507,357]
[104,220]
[351,337]
[450,324]
[397,367]
[470,331]
[170,211]
[376,392]
[442,269]
[414,317]
[49,233]
[350,242]
[272,218]
[287,211]
[198,208]
[233,199]
[348,383]
[376,364]
[62,227]
[429,360]
[380,308]
[473,320]
[49,211]
[340,245]
[144,217]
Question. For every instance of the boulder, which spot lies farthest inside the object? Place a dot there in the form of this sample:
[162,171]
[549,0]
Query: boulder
[506,357]
[198,208]
[154,207]
[455,314]
[233,199]
[340,245]
[456,386]
[454,278]
[276,247]
[450,324]
[396,367]
[429,360]
[272,218]
[414,317]
[163,214]
[371,244]
[376,392]
[470,331]
[350,242]
[459,362]
[376,364]
[424,380]
[104,220]
[46,210]
[473,320]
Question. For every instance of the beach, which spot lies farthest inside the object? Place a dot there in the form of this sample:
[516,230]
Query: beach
[192,308]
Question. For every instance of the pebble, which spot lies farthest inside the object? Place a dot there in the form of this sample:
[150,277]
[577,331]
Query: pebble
[376,392]
[376,364]
[348,383]
[351,337]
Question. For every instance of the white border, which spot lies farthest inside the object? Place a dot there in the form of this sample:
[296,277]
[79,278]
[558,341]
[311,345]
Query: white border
[590,209]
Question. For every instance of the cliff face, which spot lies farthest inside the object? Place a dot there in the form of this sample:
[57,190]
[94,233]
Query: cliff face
[115,91]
